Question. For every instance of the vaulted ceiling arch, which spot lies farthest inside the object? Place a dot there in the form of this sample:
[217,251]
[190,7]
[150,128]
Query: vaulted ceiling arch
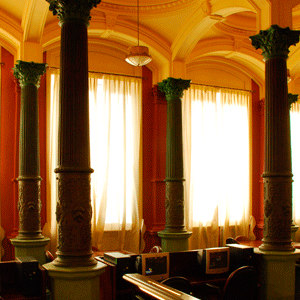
[34,19]
[201,22]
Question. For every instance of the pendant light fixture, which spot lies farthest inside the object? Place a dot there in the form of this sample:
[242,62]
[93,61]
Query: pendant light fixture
[138,55]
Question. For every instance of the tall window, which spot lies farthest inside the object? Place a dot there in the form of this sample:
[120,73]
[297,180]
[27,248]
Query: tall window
[115,124]
[295,143]
[217,163]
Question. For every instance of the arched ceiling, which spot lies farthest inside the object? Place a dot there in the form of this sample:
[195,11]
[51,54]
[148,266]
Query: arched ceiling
[172,29]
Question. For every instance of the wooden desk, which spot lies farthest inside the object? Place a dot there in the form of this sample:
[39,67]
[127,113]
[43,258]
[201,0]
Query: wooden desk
[181,264]
[257,243]
[112,286]
[156,289]
[11,287]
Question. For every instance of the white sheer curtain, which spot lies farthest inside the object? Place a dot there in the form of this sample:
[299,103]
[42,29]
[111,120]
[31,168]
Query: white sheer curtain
[295,143]
[50,228]
[115,115]
[217,164]
[115,124]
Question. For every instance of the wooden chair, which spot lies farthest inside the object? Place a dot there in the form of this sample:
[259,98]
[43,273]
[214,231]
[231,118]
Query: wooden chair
[231,240]
[242,238]
[179,283]
[155,249]
[241,284]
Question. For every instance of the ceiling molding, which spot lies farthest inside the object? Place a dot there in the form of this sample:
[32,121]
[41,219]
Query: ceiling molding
[154,8]
[229,30]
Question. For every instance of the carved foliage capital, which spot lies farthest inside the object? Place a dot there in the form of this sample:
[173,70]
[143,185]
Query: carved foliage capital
[173,87]
[293,98]
[157,94]
[29,72]
[72,9]
[275,41]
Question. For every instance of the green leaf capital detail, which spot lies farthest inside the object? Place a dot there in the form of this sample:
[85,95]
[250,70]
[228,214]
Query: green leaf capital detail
[293,98]
[275,41]
[173,87]
[29,72]
[72,9]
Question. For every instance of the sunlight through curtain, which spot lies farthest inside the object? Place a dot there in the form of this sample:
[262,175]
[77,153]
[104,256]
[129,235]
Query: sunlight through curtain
[50,228]
[115,118]
[217,164]
[115,124]
[295,145]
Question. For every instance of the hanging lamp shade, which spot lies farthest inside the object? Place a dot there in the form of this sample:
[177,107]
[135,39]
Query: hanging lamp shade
[138,56]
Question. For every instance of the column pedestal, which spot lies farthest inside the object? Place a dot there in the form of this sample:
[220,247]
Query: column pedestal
[33,248]
[277,274]
[175,241]
[75,283]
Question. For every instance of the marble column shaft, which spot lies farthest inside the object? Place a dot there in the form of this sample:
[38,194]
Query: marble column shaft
[29,180]
[277,175]
[74,211]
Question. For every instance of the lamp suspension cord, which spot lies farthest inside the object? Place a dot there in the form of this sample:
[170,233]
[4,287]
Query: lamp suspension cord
[138,22]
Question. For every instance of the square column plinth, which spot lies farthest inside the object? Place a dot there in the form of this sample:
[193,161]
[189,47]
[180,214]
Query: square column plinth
[75,283]
[277,274]
[34,248]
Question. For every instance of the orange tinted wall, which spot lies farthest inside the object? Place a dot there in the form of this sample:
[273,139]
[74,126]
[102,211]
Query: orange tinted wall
[257,159]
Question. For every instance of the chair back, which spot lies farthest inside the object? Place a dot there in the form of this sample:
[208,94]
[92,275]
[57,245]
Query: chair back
[242,238]
[242,284]
[231,240]
[179,283]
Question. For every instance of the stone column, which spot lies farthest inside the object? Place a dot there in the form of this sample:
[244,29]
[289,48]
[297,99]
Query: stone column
[175,236]
[73,211]
[278,256]
[277,175]
[75,273]
[30,241]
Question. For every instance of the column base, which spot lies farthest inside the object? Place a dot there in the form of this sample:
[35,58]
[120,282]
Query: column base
[174,241]
[34,248]
[277,273]
[75,283]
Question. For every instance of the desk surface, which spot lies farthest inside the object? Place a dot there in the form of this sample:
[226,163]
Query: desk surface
[257,243]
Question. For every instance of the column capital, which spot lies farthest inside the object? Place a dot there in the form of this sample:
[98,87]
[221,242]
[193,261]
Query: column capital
[293,98]
[29,72]
[275,41]
[72,9]
[173,87]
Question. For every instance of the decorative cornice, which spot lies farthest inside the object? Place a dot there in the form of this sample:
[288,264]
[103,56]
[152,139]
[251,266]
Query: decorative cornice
[275,42]
[156,8]
[233,30]
[29,72]
[173,87]
[71,9]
